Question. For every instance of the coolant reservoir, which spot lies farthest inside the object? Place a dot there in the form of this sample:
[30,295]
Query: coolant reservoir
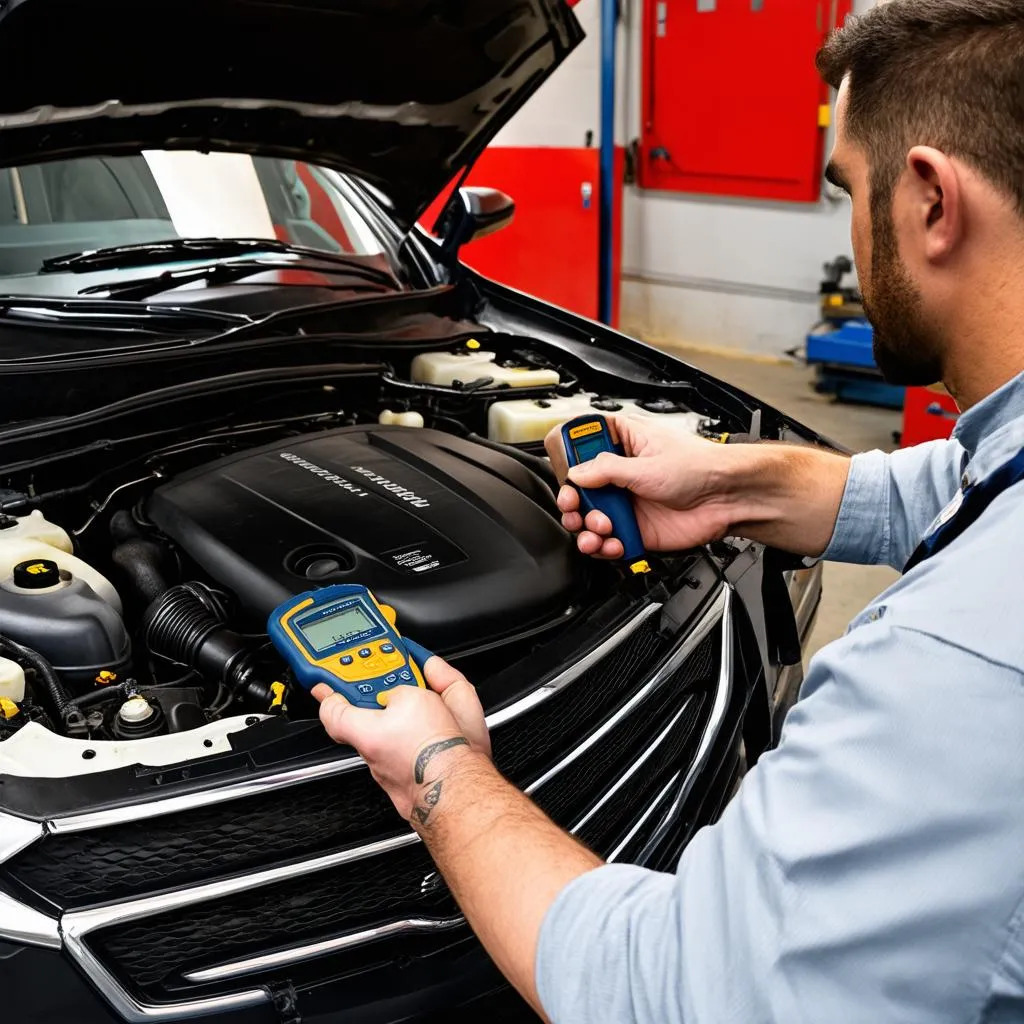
[12,681]
[400,419]
[33,537]
[34,526]
[519,421]
[444,368]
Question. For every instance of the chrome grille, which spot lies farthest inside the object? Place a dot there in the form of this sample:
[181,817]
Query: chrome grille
[210,947]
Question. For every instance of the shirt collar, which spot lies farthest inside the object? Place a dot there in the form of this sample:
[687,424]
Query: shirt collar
[992,431]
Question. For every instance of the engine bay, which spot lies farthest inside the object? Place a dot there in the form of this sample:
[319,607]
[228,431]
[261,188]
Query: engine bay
[134,601]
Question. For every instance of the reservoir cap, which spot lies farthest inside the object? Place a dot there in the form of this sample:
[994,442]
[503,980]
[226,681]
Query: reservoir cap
[36,575]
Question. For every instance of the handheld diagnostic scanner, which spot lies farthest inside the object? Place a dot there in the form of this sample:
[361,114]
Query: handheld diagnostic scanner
[342,636]
[584,439]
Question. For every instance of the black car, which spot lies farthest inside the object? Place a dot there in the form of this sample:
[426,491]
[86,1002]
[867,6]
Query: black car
[232,368]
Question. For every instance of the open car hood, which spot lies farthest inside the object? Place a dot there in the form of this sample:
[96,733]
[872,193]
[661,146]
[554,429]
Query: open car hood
[404,93]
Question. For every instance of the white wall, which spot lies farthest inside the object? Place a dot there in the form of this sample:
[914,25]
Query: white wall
[723,273]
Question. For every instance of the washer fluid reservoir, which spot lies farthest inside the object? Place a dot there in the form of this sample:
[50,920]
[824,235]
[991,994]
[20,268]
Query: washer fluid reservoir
[467,365]
[61,617]
[12,681]
[35,538]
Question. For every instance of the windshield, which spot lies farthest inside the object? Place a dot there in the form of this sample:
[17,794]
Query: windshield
[67,206]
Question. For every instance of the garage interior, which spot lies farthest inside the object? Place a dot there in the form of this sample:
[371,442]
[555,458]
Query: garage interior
[730,258]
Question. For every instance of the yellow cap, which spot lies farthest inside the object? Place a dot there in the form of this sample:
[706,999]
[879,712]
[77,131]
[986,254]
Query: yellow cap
[8,709]
[472,344]
[278,690]
[640,567]
[105,678]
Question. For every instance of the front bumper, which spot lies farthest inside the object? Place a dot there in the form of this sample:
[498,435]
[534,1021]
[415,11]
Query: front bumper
[631,748]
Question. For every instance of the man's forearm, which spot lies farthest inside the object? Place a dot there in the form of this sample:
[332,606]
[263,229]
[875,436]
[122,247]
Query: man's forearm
[503,859]
[784,495]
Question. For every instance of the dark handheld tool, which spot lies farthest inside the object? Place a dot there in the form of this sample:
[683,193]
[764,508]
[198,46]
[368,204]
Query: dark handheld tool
[584,439]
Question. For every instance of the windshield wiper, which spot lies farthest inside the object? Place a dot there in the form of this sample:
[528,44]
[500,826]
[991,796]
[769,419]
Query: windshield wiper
[368,279]
[115,317]
[175,250]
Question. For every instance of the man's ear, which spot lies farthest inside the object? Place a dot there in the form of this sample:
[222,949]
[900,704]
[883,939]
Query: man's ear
[935,200]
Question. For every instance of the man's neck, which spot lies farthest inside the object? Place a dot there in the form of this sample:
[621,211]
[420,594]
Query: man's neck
[988,347]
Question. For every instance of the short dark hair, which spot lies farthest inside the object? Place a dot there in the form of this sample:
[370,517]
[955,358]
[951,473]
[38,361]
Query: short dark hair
[941,73]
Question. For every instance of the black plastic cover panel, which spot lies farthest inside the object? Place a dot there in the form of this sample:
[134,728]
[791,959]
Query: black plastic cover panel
[463,541]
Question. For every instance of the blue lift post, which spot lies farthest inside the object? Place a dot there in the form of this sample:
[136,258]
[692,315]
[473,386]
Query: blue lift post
[609,41]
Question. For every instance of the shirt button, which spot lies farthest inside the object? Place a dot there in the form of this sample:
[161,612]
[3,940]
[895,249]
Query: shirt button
[965,481]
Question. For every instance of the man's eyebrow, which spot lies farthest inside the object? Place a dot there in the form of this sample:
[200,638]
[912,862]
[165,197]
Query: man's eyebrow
[834,176]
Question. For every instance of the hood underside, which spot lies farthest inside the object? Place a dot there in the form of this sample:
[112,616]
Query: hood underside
[404,93]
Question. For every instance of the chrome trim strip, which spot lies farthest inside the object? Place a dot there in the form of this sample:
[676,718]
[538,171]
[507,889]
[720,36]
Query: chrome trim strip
[570,675]
[655,804]
[708,621]
[190,801]
[81,922]
[284,957]
[254,787]
[137,1012]
[723,694]
[17,834]
[24,925]
[635,766]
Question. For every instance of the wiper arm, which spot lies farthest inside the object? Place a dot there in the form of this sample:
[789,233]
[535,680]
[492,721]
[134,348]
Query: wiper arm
[174,250]
[371,278]
[114,317]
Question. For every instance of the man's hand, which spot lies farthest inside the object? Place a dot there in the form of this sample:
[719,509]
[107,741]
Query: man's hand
[676,480]
[688,491]
[412,744]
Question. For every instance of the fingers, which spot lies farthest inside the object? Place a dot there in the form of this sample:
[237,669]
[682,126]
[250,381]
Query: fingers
[568,500]
[440,675]
[599,547]
[344,722]
[604,470]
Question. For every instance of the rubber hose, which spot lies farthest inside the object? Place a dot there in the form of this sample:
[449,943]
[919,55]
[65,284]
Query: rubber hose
[140,560]
[99,696]
[59,697]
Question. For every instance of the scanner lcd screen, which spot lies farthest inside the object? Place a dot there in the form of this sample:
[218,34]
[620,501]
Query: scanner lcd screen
[345,625]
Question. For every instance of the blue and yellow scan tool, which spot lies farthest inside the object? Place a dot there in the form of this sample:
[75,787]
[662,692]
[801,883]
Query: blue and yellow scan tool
[343,637]
[584,439]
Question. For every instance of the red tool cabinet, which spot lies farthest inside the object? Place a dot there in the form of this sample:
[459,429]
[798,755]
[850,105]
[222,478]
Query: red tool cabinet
[929,414]
[732,102]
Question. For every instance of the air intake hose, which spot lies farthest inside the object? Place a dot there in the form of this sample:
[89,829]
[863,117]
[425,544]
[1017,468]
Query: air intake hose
[186,625]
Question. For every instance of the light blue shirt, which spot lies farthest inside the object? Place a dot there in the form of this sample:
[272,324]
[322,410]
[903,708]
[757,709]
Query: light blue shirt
[871,869]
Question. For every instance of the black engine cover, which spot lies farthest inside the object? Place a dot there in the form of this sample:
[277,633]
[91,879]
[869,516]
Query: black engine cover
[462,540]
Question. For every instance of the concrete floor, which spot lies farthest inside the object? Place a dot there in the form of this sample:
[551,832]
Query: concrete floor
[788,387]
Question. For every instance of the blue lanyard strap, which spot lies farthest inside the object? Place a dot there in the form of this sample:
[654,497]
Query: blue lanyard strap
[977,499]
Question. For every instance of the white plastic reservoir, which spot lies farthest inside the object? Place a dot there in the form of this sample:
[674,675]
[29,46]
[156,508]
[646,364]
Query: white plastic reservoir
[34,537]
[519,421]
[12,680]
[444,368]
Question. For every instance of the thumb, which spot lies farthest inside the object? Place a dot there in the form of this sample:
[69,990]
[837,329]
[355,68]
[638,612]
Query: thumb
[348,724]
[604,470]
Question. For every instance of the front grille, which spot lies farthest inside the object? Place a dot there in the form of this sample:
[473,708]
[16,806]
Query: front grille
[190,847]
[154,954]
[601,742]
[301,910]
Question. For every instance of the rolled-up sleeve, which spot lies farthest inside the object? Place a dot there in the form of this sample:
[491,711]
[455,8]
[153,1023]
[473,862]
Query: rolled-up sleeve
[891,499]
[824,893]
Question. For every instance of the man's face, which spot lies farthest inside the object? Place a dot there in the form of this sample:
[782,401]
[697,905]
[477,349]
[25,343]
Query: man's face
[906,346]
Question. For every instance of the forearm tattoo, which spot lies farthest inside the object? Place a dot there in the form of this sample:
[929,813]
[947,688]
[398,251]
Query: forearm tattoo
[428,801]
[428,752]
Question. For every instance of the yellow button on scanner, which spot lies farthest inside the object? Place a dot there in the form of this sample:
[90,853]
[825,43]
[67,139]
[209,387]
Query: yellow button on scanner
[383,698]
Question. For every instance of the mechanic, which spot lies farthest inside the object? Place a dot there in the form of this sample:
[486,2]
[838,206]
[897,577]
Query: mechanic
[872,867]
